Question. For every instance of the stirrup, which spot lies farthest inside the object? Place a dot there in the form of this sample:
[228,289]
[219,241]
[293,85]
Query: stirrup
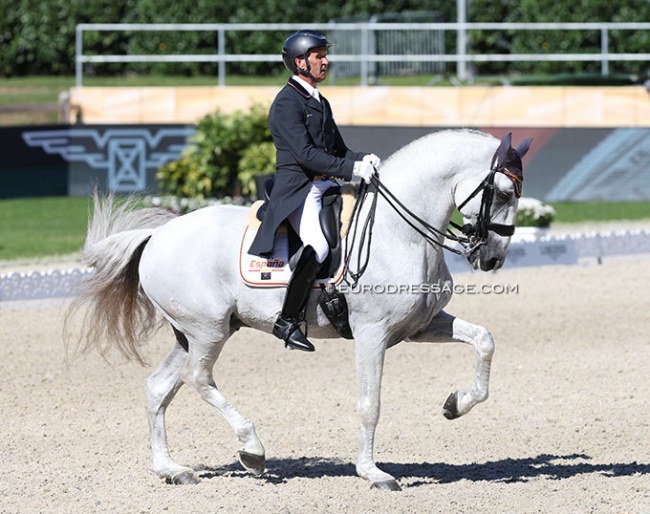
[289,331]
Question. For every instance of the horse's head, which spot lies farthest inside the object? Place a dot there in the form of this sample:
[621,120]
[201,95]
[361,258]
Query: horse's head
[489,211]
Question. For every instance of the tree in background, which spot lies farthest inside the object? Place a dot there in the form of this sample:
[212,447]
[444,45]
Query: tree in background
[553,41]
[37,37]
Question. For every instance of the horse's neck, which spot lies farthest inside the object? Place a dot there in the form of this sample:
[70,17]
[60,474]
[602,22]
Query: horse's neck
[401,248]
[427,195]
[427,179]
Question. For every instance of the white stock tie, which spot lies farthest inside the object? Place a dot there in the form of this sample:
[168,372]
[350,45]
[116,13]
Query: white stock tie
[315,94]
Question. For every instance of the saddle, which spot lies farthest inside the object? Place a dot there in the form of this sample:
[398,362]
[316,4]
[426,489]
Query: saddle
[335,218]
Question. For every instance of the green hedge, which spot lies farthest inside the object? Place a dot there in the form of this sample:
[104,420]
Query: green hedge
[223,158]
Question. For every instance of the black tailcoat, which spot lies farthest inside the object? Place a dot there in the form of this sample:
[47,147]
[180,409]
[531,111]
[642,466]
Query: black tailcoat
[308,143]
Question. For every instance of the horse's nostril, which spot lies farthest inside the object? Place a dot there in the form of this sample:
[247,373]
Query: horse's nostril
[490,264]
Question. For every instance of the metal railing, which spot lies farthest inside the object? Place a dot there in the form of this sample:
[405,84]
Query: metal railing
[366,55]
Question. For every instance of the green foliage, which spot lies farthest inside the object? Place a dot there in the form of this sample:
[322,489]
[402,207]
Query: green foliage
[256,160]
[38,36]
[223,157]
[558,41]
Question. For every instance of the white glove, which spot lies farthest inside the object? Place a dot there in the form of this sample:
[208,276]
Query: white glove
[366,167]
[373,159]
[364,170]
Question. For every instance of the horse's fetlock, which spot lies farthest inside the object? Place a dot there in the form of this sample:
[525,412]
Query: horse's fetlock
[244,431]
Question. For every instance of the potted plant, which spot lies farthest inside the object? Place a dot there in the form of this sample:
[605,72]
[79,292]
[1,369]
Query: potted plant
[534,217]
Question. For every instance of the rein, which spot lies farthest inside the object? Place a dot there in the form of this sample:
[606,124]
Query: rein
[474,235]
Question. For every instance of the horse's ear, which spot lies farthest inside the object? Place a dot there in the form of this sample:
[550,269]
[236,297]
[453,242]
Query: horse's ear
[506,143]
[504,147]
[524,146]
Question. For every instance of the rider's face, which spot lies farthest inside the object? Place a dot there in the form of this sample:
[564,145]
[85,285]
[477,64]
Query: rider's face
[318,63]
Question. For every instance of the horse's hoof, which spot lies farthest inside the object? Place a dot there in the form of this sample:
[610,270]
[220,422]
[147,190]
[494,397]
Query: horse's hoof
[450,409]
[386,485]
[251,462]
[185,478]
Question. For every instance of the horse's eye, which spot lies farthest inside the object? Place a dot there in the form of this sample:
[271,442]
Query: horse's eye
[504,195]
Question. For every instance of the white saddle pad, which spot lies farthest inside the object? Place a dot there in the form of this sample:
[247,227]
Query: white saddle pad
[274,271]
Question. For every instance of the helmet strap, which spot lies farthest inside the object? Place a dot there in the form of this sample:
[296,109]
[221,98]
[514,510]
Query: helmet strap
[307,72]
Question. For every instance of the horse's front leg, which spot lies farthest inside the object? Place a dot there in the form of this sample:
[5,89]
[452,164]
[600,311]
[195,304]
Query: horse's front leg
[370,353]
[445,327]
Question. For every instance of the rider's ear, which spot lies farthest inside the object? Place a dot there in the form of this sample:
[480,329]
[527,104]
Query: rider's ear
[300,63]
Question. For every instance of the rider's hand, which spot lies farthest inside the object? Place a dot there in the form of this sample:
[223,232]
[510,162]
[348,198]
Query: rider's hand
[373,159]
[364,170]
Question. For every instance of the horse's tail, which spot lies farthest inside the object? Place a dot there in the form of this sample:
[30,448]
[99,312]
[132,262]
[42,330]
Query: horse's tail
[117,313]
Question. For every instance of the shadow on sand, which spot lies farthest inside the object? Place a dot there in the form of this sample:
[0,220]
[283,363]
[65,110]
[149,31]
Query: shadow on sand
[551,467]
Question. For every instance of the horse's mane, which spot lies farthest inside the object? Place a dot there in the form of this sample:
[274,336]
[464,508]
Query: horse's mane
[445,139]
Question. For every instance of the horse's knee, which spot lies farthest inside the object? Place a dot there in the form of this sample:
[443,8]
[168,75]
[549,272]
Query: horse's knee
[368,410]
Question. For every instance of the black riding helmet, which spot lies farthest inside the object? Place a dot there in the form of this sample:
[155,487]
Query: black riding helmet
[299,44]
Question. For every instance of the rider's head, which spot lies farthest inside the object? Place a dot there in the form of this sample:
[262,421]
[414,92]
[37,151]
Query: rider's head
[305,53]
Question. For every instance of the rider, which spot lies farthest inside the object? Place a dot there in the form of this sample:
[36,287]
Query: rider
[309,153]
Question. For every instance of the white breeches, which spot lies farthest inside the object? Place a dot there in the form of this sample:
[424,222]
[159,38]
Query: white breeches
[305,222]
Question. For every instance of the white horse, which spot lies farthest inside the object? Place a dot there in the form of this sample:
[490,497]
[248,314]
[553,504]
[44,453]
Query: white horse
[149,262]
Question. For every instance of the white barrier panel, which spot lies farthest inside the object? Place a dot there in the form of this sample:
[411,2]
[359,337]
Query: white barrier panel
[36,285]
[566,249]
[531,252]
[603,244]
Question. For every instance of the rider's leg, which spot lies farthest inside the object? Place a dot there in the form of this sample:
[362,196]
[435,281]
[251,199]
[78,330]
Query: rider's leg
[287,326]
[306,223]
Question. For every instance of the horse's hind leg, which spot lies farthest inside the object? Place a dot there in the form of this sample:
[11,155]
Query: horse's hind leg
[445,327]
[197,373]
[161,387]
[195,369]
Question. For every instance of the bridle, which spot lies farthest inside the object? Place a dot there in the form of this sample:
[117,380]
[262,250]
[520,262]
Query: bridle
[477,233]
[473,234]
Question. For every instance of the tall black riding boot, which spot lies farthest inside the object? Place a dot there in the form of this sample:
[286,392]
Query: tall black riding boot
[287,326]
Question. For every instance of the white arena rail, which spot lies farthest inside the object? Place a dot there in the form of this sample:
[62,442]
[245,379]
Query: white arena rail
[366,53]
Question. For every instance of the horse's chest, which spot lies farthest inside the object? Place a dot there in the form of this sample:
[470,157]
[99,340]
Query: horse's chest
[417,306]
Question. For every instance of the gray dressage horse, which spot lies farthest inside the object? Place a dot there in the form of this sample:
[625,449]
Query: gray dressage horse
[151,266]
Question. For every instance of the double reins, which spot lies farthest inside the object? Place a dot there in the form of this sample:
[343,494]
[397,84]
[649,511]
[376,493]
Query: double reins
[473,234]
